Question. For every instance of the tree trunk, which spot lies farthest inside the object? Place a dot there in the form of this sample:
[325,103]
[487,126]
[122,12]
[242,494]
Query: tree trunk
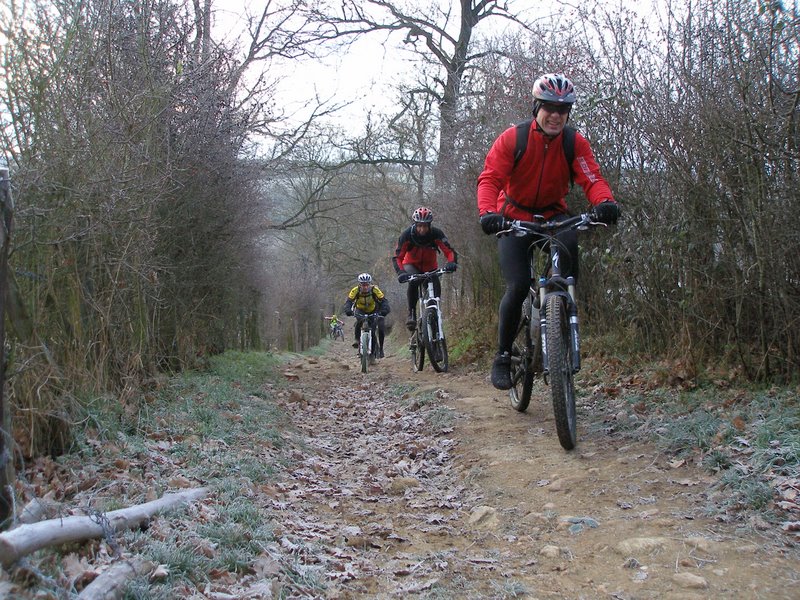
[6,461]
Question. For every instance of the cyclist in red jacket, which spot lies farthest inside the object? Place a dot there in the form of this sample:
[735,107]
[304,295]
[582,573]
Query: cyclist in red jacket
[416,252]
[536,185]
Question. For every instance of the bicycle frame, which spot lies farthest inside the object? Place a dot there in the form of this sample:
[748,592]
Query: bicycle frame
[428,298]
[369,324]
[544,286]
[553,297]
[551,282]
[429,333]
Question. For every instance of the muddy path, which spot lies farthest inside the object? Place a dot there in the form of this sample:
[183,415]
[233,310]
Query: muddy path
[431,485]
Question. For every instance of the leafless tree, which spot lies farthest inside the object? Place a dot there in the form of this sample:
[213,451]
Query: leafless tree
[127,130]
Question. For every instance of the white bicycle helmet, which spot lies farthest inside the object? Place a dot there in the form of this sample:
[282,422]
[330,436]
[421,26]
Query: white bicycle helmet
[554,88]
[365,278]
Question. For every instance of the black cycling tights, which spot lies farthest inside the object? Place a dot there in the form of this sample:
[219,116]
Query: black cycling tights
[515,266]
[381,330]
[412,294]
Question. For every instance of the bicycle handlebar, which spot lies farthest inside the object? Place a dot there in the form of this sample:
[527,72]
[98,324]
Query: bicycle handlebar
[427,275]
[517,227]
[361,314]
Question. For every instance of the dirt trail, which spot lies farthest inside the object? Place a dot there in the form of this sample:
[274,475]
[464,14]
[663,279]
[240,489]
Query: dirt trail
[447,492]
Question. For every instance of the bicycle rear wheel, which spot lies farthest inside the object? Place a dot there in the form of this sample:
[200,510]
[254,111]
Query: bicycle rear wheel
[435,343]
[559,354]
[363,350]
[521,359]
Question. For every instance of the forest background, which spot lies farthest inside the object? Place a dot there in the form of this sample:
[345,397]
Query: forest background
[168,207]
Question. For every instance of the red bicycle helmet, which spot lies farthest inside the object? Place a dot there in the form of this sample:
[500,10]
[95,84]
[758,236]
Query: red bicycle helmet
[422,215]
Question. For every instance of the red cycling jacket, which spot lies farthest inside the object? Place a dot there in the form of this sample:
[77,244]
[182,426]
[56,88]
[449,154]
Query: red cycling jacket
[540,181]
[413,249]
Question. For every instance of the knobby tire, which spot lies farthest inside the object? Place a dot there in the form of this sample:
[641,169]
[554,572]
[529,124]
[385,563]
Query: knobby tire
[521,359]
[559,354]
[363,350]
[436,348]
[417,348]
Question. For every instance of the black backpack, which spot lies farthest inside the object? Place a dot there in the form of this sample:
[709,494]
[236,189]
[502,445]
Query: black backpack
[567,141]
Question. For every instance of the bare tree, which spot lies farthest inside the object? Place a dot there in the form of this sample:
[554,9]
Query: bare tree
[439,35]
[126,129]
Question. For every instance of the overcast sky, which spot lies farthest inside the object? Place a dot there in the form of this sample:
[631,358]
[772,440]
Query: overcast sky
[367,74]
[363,76]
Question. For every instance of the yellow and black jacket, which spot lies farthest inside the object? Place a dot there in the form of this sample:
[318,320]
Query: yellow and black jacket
[367,302]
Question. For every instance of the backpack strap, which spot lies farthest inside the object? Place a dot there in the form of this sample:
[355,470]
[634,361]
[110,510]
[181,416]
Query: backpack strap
[568,142]
[523,131]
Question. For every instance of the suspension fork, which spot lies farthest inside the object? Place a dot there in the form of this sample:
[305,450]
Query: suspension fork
[542,316]
[574,329]
[433,302]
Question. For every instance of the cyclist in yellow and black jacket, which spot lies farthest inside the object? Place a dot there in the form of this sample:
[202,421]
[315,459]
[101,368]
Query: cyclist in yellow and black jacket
[367,298]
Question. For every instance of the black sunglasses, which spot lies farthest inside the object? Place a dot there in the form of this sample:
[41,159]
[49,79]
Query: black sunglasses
[561,109]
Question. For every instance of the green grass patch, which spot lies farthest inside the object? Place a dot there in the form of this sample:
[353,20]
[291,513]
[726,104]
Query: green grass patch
[460,347]
[399,391]
[748,437]
[217,428]
[248,368]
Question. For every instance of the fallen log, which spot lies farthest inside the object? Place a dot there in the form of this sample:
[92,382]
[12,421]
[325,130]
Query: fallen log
[111,583]
[37,509]
[25,539]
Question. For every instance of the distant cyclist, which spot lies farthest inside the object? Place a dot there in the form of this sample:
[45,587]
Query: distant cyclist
[335,323]
[367,298]
[416,252]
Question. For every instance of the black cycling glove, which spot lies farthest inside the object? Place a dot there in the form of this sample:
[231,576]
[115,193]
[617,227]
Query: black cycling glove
[492,223]
[607,212]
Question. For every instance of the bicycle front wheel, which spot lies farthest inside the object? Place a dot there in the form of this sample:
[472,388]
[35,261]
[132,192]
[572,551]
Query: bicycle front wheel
[521,359]
[363,350]
[373,351]
[435,343]
[559,355]
[417,349]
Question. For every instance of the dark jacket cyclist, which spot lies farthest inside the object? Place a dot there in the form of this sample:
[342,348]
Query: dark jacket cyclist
[416,252]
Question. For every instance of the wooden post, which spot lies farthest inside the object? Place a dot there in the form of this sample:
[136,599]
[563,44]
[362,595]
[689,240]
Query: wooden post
[6,439]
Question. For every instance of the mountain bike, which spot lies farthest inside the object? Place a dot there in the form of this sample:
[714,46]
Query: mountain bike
[368,346]
[548,338]
[428,336]
[336,331]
